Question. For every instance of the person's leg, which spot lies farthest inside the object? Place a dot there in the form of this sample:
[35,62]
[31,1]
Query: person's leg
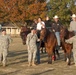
[58,39]
[0,56]
[74,56]
[75,32]
[34,56]
[4,57]
[29,57]
[38,53]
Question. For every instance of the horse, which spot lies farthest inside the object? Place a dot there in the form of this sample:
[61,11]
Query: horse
[50,41]
[24,32]
[64,35]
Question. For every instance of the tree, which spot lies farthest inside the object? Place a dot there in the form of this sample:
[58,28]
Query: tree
[63,8]
[21,10]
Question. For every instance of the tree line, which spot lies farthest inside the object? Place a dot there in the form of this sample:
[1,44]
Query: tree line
[22,10]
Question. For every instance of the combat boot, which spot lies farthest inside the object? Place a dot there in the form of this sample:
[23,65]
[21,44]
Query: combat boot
[29,64]
[33,63]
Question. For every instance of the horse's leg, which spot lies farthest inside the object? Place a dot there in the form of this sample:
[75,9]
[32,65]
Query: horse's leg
[49,59]
[65,55]
[45,50]
[42,50]
[54,58]
[58,55]
[69,58]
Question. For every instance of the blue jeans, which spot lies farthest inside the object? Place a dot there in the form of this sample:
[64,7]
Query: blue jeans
[58,37]
[38,53]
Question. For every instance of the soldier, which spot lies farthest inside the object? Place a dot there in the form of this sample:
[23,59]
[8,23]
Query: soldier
[73,40]
[73,24]
[4,45]
[32,47]
[56,28]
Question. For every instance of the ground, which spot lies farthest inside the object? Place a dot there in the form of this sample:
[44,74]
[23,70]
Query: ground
[17,63]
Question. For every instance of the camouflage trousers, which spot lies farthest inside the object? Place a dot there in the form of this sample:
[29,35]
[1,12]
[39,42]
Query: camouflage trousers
[31,55]
[3,56]
[74,55]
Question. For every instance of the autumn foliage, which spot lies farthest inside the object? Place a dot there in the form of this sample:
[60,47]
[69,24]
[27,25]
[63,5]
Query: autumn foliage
[21,10]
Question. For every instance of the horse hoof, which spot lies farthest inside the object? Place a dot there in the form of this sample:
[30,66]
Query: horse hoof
[49,62]
[68,64]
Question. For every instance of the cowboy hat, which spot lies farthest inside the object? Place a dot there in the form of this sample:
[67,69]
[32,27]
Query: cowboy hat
[55,16]
[73,15]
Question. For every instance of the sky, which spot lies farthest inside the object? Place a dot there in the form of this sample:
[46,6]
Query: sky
[47,1]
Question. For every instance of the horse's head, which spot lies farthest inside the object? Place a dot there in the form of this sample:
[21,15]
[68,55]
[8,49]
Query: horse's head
[23,37]
[63,32]
[42,34]
[23,34]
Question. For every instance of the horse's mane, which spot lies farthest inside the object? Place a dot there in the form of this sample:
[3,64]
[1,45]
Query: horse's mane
[67,34]
[48,34]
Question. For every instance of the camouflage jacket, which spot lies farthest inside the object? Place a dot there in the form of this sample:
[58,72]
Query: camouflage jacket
[31,41]
[4,41]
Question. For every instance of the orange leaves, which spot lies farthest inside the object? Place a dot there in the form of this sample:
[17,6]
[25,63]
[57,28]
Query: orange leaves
[21,10]
[36,9]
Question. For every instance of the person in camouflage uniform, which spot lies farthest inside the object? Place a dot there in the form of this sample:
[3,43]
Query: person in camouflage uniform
[73,40]
[4,45]
[32,47]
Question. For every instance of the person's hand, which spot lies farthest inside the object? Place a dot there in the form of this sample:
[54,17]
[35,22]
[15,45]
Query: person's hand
[38,40]
[53,30]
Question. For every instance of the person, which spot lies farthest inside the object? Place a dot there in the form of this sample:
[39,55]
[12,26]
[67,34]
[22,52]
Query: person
[32,47]
[48,23]
[40,25]
[34,25]
[56,28]
[5,40]
[72,40]
[73,24]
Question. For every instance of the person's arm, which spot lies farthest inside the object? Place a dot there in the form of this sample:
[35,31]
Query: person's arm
[43,24]
[9,39]
[70,28]
[53,27]
[27,40]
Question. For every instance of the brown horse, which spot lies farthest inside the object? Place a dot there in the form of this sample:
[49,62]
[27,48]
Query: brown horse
[65,34]
[24,32]
[50,42]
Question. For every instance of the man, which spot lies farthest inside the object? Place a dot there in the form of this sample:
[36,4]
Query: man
[5,40]
[56,28]
[32,47]
[73,40]
[73,24]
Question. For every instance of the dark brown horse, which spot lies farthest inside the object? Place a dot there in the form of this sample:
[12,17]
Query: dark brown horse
[24,32]
[50,42]
[65,34]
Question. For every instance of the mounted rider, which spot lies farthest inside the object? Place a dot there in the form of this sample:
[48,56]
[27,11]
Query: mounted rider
[56,29]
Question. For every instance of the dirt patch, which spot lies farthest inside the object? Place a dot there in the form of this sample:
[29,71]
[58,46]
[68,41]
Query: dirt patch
[17,63]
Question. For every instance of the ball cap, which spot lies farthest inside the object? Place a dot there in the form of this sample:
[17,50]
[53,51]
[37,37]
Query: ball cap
[33,29]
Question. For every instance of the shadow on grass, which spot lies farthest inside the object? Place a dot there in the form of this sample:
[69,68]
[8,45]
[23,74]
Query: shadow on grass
[42,73]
